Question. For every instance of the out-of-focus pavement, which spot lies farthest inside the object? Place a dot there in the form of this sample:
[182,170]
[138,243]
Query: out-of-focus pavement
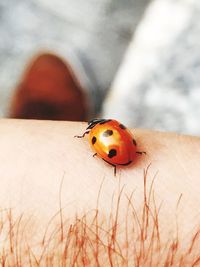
[158,83]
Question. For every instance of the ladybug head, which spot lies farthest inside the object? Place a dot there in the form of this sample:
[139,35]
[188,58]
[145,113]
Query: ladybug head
[94,122]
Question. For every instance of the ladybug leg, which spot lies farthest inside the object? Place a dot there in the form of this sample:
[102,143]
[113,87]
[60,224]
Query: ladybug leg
[81,136]
[115,170]
[141,152]
[115,166]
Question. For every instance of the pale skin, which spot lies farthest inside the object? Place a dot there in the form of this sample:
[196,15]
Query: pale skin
[42,166]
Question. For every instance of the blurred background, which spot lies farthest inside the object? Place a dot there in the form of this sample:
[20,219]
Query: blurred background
[134,60]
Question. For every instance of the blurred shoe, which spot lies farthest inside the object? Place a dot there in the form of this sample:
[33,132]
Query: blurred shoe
[49,90]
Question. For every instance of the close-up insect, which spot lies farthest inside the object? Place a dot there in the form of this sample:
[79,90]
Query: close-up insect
[112,142]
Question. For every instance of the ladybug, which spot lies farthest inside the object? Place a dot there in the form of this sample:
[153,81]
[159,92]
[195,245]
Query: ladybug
[111,141]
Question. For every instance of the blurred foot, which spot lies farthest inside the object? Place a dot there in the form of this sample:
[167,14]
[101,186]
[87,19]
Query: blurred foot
[49,90]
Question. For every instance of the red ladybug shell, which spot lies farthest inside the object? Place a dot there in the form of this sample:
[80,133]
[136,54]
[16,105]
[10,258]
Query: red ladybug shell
[112,142]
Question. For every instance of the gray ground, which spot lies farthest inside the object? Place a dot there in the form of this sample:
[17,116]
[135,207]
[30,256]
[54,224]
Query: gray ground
[160,75]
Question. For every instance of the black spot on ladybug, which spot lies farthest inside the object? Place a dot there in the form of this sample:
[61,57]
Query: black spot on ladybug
[134,142]
[122,126]
[94,140]
[107,133]
[112,153]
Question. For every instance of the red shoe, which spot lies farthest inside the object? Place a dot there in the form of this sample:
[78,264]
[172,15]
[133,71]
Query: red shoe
[49,90]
